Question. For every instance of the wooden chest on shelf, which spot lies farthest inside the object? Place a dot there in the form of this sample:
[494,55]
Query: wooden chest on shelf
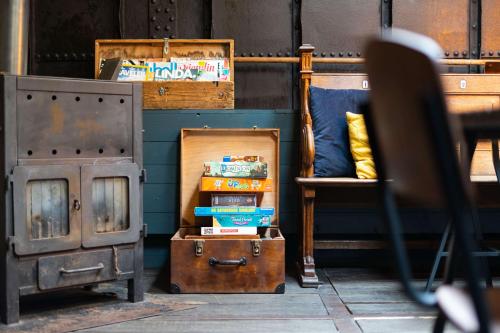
[175,94]
[226,264]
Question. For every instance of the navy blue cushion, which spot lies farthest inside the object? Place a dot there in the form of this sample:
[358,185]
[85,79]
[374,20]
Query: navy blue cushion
[331,139]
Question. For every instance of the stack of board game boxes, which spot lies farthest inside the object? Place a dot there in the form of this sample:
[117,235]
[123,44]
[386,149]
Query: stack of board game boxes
[235,184]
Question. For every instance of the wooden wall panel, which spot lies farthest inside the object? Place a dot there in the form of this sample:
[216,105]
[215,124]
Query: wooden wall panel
[259,28]
[446,21]
[490,28]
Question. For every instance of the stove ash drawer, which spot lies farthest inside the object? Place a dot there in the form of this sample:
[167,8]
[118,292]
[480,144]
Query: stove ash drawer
[75,269]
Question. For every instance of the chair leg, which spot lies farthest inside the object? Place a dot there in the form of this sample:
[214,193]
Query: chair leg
[305,264]
[478,234]
[439,323]
[439,255]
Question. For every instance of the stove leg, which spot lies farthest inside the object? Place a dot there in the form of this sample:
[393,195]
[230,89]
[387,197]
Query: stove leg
[10,307]
[136,289]
[9,291]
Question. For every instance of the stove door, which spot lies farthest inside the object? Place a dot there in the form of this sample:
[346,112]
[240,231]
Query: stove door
[110,204]
[47,213]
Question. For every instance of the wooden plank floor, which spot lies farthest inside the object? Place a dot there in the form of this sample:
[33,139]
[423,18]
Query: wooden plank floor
[349,300]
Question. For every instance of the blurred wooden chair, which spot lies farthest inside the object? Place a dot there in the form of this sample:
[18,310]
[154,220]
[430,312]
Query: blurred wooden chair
[413,140]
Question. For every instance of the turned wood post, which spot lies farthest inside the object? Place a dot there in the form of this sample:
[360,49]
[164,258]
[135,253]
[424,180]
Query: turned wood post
[307,273]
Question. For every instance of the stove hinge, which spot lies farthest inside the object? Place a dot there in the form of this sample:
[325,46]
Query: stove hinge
[143,177]
[8,182]
[144,231]
[10,243]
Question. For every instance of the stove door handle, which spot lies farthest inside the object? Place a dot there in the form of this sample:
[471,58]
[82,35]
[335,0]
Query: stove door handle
[77,205]
[82,270]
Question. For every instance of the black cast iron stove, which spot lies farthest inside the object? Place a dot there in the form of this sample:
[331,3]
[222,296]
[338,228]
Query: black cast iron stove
[71,157]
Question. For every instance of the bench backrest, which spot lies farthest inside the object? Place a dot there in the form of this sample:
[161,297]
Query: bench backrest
[463,92]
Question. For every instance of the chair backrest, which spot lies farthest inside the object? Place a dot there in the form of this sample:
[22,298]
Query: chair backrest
[406,102]
[413,140]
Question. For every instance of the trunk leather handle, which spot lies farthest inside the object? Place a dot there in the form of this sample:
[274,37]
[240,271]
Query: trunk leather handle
[212,261]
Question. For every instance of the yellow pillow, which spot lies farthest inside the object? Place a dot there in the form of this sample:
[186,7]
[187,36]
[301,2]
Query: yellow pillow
[360,147]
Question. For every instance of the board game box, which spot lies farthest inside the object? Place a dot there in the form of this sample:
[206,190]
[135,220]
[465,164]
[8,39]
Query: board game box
[241,220]
[221,184]
[239,169]
[220,199]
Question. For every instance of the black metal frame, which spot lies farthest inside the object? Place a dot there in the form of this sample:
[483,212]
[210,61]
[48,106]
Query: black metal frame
[459,207]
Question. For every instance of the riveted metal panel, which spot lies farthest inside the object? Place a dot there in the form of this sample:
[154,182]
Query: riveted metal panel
[62,34]
[490,29]
[339,28]
[163,18]
[259,28]
[446,21]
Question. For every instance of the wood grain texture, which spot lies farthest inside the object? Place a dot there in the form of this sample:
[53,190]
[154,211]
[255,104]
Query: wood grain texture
[200,145]
[463,92]
[188,95]
[47,208]
[110,204]
[194,274]
[175,94]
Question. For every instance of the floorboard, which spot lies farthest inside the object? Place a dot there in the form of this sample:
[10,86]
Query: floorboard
[349,300]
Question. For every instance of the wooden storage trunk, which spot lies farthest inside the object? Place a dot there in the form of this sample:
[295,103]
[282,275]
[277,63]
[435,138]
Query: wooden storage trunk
[175,94]
[257,263]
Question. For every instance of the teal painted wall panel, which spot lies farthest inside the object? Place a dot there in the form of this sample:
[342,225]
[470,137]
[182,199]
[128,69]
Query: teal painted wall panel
[161,223]
[161,173]
[161,158]
[164,125]
[160,152]
[160,198]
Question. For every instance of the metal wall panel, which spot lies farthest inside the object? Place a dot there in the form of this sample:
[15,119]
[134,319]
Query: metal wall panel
[259,28]
[63,32]
[134,19]
[339,28]
[446,21]
[163,19]
[490,28]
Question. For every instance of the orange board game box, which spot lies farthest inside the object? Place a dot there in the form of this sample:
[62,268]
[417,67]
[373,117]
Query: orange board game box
[222,184]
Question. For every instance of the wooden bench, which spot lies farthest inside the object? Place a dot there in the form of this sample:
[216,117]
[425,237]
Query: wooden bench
[464,92]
